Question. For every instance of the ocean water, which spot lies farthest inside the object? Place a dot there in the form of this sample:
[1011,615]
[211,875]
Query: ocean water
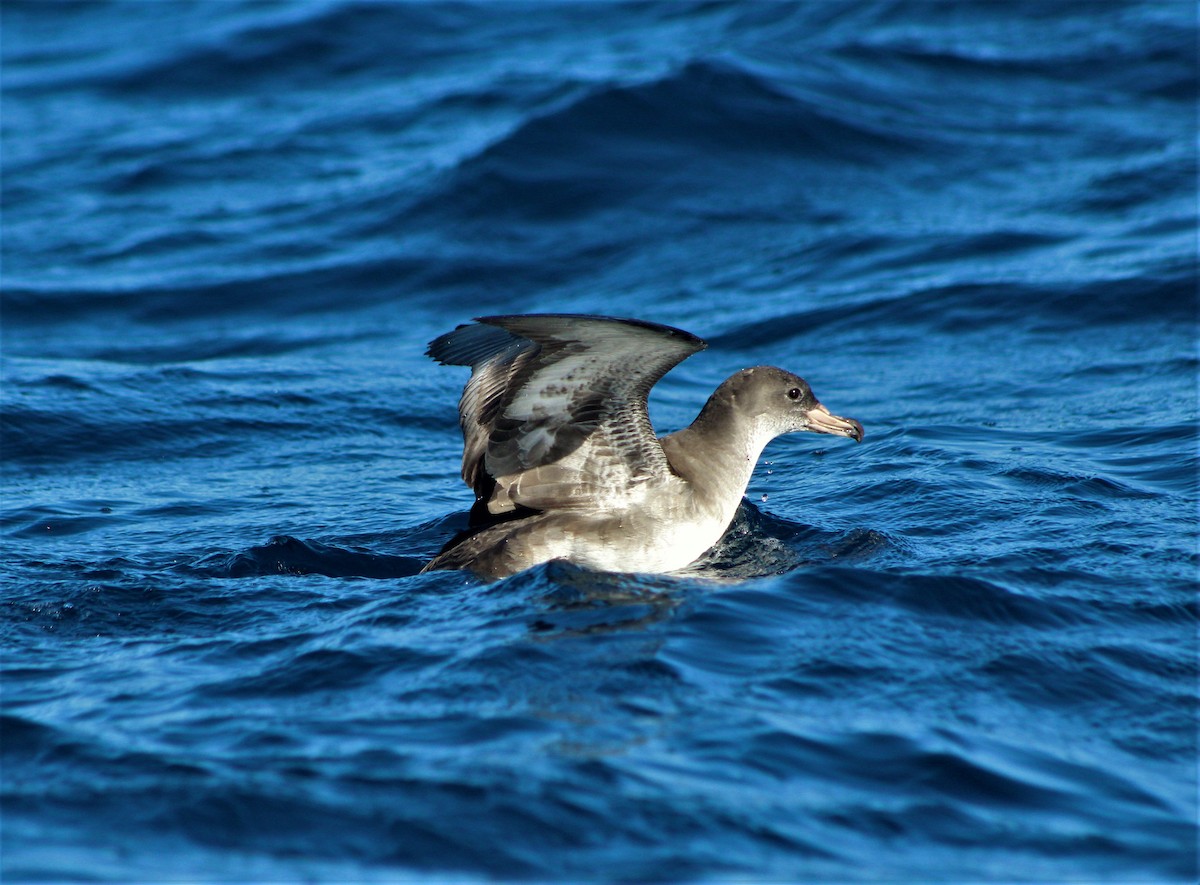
[963,650]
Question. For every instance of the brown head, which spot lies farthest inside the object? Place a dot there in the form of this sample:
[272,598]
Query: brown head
[775,401]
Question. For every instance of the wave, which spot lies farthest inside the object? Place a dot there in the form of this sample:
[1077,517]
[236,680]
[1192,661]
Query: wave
[624,145]
[1168,295]
[1146,52]
[286,49]
[44,436]
[259,295]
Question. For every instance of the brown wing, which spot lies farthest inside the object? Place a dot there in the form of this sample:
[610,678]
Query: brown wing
[554,414]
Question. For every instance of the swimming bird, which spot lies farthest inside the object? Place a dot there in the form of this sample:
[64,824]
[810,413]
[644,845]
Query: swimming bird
[559,449]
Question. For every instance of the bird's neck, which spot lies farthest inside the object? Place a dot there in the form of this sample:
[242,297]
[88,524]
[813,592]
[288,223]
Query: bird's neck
[716,455]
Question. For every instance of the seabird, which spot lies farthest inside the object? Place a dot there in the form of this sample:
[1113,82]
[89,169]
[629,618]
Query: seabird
[559,449]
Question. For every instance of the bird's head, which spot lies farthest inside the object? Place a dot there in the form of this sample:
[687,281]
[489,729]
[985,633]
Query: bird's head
[781,402]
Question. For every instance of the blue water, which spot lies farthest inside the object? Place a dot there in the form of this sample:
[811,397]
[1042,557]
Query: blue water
[963,650]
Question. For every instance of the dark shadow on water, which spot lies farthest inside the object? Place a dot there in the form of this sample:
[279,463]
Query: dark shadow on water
[578,600]
[285,555]
[759,544]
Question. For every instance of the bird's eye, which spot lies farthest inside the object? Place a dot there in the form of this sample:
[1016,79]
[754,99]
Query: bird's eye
[794,393]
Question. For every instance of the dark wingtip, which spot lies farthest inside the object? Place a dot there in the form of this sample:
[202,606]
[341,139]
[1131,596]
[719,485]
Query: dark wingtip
[470,344]
[513,322]
[436,348]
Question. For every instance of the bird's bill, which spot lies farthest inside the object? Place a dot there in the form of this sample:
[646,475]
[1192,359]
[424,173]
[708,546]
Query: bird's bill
[821,421]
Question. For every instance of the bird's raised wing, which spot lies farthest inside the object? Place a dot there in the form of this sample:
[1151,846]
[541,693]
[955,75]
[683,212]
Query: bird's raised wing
[554,415]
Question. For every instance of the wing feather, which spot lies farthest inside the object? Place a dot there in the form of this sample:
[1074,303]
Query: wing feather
[554,414]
